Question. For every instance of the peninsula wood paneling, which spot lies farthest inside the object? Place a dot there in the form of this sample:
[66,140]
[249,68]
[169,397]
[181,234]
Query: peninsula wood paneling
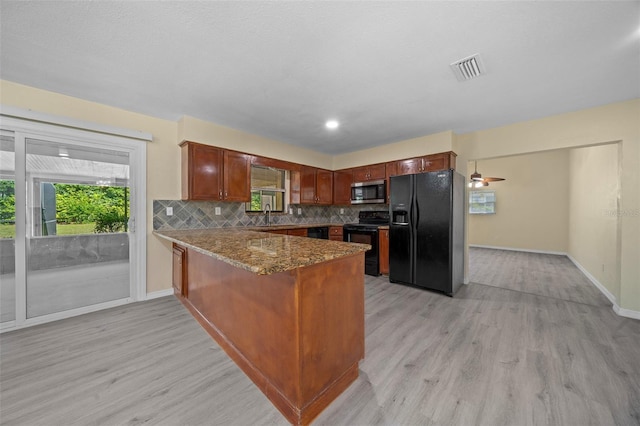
[299,335]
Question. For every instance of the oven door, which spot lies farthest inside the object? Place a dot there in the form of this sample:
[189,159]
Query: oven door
[365,235]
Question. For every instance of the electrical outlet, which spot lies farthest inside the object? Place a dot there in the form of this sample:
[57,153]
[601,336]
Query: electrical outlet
[169,211]
[290,210]
[299,210]
[217,211]
[341,211]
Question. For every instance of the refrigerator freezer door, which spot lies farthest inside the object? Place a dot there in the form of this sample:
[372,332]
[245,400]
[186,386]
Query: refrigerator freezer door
[400,230]
[433,227]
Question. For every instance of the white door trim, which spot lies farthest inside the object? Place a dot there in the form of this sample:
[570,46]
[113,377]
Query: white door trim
[136,147]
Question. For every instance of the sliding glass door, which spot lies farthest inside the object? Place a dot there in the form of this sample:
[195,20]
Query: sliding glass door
[67,209]
[7,229]
[77,239]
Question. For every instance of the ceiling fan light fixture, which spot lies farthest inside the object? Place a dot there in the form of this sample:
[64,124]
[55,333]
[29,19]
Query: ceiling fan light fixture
[477,181]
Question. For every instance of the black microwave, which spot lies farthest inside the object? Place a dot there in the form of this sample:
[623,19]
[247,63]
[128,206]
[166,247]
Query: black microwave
[371,192]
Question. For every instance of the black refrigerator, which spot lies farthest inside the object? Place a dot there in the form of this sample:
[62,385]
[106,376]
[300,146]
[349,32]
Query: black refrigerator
[426,233]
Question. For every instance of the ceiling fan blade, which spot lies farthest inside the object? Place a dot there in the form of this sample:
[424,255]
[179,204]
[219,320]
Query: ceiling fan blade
[492,179]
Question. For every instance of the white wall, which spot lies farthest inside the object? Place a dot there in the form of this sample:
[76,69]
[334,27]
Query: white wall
[593,213]
[532,203]
[616,122]
[609,123]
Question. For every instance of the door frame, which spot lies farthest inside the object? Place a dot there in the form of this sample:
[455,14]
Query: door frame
[27,124]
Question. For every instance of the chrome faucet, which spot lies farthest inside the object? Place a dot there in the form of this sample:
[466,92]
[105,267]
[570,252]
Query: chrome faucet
[267,212]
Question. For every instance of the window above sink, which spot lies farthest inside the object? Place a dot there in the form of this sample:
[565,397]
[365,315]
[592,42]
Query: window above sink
[268,186]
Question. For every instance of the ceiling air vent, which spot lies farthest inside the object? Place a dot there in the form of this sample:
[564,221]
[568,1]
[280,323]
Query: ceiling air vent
[468,68]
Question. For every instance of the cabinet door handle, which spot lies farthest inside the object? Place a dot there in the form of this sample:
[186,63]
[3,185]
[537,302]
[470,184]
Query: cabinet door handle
[220,195]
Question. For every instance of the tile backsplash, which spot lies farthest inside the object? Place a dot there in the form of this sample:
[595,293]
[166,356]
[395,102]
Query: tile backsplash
[201,214]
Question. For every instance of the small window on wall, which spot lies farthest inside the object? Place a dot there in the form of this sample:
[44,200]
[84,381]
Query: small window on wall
[482,202]
[267,188]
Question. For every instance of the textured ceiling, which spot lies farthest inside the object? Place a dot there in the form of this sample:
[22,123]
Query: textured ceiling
[280,69]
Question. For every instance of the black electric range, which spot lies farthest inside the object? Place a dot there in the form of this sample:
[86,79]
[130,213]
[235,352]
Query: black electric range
[366,232]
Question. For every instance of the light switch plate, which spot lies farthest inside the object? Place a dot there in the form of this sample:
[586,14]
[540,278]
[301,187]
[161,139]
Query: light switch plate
[341,211]
[169,211]
[299,210]
[218,212]
[290,210]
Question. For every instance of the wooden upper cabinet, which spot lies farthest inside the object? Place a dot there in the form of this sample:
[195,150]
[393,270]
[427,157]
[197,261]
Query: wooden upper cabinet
[342,180]
[210,173]
[201,171]
[437,162]
[307,185]
[428,163]
[258,160]
[237,176]
[324,186]
[316,186]
[372,172]
[409,166]
[295,191]
[391,170]
[214,174]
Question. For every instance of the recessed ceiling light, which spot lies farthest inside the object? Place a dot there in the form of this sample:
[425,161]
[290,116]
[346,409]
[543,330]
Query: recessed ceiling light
[332,124]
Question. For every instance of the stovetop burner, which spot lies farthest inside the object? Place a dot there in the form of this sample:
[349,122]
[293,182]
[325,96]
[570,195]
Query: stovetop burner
[371,219]
[374,217]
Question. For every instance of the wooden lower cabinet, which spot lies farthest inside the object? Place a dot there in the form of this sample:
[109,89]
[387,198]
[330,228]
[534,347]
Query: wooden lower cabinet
[296,232]
[179,270]
[383,251]
[298,335]
[335,233]
[300,232]
[278,231]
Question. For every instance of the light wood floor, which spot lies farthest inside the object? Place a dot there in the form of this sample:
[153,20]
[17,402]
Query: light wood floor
[489,356]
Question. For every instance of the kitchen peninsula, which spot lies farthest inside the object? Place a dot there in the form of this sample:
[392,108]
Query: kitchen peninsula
[288,310]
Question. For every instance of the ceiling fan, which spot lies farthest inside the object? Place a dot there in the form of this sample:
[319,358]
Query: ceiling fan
[478,181]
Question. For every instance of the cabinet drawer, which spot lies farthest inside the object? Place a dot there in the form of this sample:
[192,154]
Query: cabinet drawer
[335,231]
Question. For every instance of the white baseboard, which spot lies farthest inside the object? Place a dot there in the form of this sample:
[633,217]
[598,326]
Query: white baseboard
[595,282]
[628,313]
[160,293]
[558,253]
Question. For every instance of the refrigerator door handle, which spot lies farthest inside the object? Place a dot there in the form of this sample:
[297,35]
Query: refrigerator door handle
[400,223]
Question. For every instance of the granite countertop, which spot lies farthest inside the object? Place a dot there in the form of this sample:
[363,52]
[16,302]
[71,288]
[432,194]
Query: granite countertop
[261,252]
